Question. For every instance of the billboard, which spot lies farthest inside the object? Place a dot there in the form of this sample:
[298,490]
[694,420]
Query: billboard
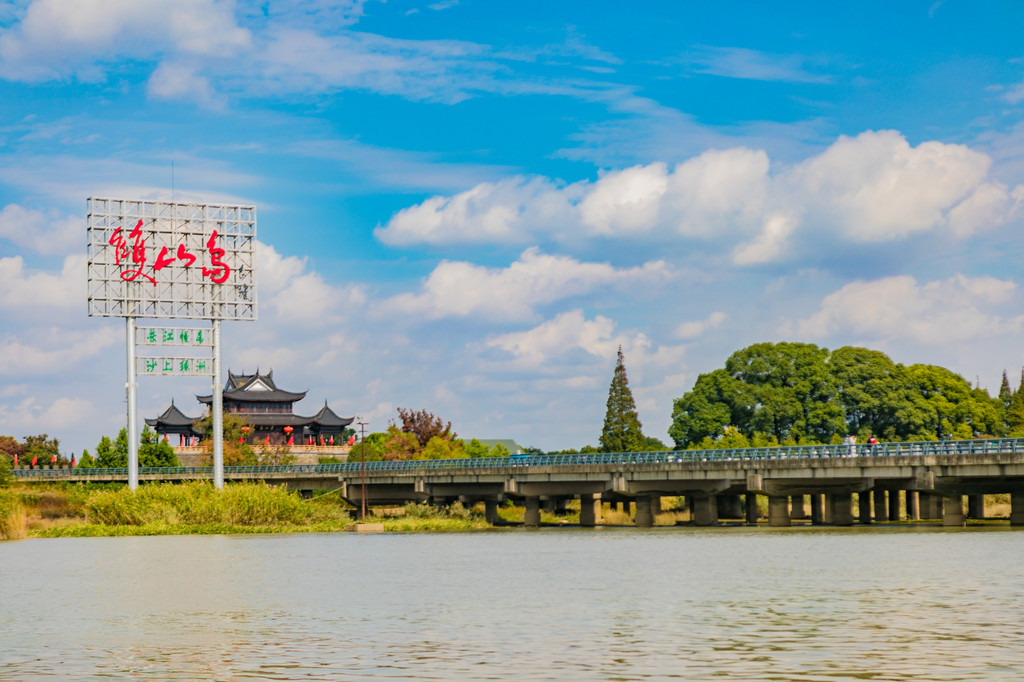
[171,260]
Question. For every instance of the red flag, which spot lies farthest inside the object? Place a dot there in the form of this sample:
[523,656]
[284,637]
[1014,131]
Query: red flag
[291,440]
[53,460]
[322,442]
[351,440]
[34,460]
[268,440]
[166,439]
[241,439]
[332,440]
[15,460]
[73,461]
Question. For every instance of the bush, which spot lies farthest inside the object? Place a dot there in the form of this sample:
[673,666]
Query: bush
[12,516]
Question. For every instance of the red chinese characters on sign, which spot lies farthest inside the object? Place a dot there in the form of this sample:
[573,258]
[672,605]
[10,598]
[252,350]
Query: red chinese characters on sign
[218,273]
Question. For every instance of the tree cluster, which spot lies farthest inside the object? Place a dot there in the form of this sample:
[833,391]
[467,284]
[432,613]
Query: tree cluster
[422,435]
[153,452]
[792,393]
[40,446]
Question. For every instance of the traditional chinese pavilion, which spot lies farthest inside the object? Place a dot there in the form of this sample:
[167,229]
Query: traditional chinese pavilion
[267,410]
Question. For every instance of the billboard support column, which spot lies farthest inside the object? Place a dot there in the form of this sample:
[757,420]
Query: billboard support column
[217,408]
[132,389]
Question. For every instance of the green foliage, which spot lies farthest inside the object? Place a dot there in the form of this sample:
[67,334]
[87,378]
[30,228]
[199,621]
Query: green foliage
[652,444]
[370,446]
[622,431]
[475,449]
[154,451]
[12,515]
[441,448]
[112,453]
[43,448]
[499,450]
[5,471]
[799,393]
[199,503]
[86,461]
[399,445]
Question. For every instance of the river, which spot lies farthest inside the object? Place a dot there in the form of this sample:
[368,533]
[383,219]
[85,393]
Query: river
[895,603]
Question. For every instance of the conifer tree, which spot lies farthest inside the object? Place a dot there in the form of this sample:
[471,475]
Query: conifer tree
[622,431]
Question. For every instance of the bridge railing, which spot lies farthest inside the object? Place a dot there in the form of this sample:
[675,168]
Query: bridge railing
[950,447]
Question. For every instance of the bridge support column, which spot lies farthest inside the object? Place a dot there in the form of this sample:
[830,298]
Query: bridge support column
[730,507]
[705,510]
[881,508]
[1017,508]
[799,510]
[864,506]
[953,511]
[894,505]
[643,518]
[841,507]
[491,511]
[931,506]
[975,506]
[778,511]
[912,504]
[590,510]
[532,516]
[817,510]
[751,505]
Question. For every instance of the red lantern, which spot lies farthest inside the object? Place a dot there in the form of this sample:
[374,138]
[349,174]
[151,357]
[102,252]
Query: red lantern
[288,429]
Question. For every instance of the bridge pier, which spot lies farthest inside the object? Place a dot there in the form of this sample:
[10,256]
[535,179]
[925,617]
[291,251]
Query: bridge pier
[864,507]
[799,510]
[730,507]
[975,506]
[931,506]
[817,510]
[705,510]
[491,511]
[912,505]
[881,509]
[841,508]
[750,500]
[953,511]
[532,515]
[778,511]
[644,517]
[590,509]
[894,505]
[1017,508]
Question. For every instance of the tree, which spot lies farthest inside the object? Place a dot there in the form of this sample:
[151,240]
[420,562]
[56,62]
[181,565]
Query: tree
[154,451]
[476,449]
[369,446]
[11,447]
[441,448]
[622,431]
[43,448]
[425,425]
[399,445]
[112,453]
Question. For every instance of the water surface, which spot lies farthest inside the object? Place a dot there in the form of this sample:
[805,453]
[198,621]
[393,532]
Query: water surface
[551,604]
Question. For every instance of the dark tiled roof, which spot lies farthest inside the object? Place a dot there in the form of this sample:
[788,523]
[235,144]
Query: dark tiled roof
[247,388]
[279,419]
[172,416]
[327,417]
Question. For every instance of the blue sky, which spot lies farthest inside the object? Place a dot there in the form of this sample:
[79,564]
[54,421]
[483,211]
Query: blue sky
[468,206]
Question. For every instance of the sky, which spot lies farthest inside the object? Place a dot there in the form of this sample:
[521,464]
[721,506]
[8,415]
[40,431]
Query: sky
[468,206]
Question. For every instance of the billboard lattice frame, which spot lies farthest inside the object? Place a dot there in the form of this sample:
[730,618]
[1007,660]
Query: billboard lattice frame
[162,259]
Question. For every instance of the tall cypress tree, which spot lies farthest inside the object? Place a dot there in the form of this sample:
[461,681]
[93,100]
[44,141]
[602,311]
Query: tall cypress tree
[622,431]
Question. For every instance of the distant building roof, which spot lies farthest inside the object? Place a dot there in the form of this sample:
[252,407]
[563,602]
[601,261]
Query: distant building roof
[510,445]
[247,388]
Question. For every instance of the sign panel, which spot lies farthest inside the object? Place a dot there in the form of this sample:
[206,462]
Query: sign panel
[171,260]
[173,336]
[179,366]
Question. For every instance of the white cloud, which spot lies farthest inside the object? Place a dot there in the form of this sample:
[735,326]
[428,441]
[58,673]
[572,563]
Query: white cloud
[29,416]
[57,39]
[299,296]
[736,62]
[693,329]
[460,289]
[177,80]
[54,350]
[25,288]
[870,188]
[45,233]
[933,313]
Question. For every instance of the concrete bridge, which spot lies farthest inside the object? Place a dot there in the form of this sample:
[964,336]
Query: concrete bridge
[933,478]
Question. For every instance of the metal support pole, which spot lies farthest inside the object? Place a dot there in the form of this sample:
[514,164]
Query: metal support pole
[218,412]
[362,471]
[132,388]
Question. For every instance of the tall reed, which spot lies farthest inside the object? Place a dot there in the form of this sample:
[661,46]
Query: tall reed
[12,516]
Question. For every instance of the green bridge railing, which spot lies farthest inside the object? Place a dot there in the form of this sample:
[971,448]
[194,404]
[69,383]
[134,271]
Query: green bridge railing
[805,452]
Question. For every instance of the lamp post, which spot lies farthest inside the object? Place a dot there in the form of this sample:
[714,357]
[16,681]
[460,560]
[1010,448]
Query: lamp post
[362,470]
